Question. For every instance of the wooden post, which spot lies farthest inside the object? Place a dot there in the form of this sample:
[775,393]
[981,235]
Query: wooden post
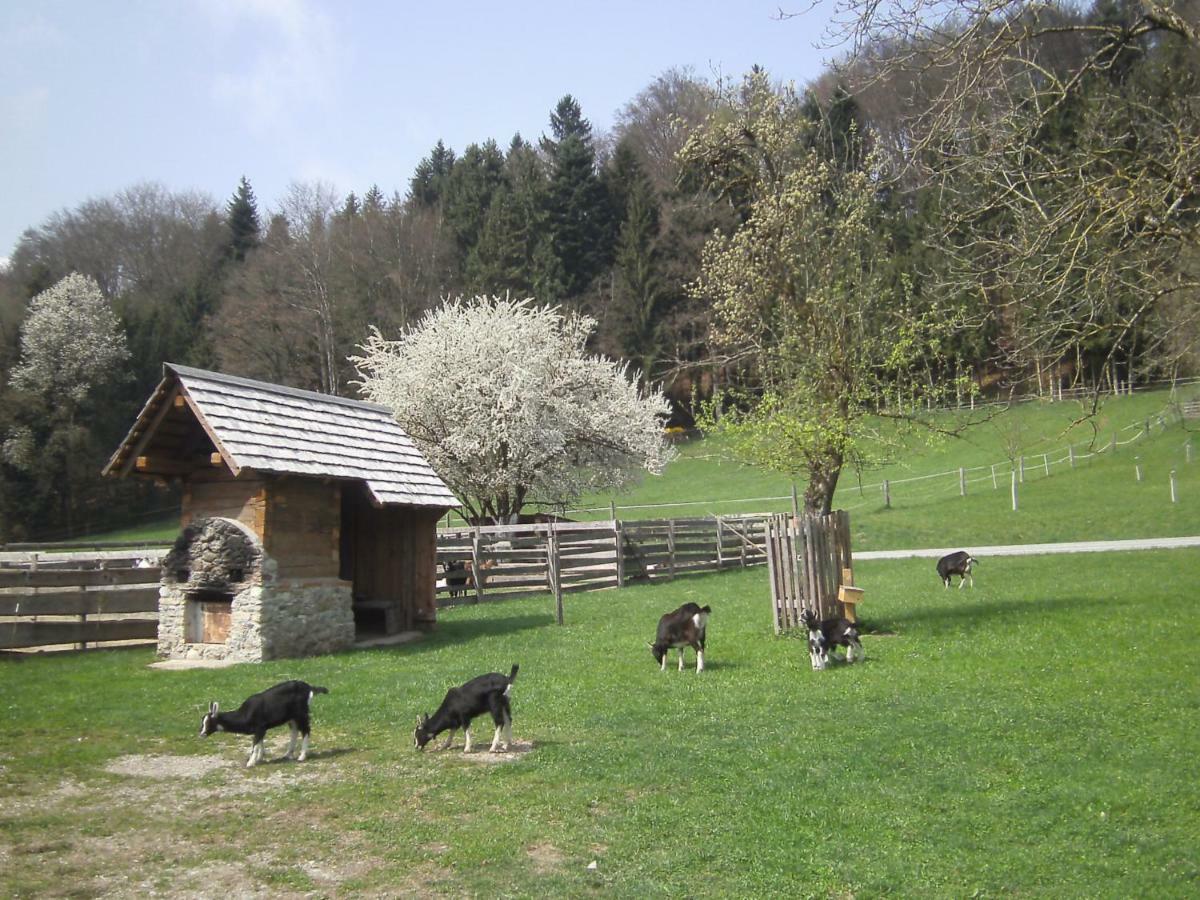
[773,578]
[671,548]
[1021,469]
[1014,491]
[552,566]
[1174,497]
[1187,450]
[1071,454]
[720,542]
[619,544]
[1046,463]
[995,486]
[1137,468]
[795,502]
[476,574]
[887,494]
[962,482]
[612,508]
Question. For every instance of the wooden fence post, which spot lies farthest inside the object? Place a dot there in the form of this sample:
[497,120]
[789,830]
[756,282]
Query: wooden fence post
[795,502]
[1021,469]
[887,494]
[476,573]
[1137,468]
[1046,463]
[1014,491]
[671,549]
[720,542]
[962,482]
[995,486]
[619,546]
[1071,454]
[555,571]
[1173,494]
[1187,450]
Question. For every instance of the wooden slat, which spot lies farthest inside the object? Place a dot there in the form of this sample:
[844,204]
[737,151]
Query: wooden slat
[39,634]
[75,603]
[39,578]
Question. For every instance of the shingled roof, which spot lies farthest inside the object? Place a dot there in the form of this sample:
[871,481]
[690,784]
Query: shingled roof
[264,427]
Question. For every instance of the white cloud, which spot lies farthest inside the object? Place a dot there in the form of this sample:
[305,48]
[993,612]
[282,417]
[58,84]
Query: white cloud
[295,58]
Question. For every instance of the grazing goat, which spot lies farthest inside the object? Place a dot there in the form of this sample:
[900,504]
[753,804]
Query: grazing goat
[683,627]
[485,693]
[956,564]
[285,702]
[457,576]
[825,636]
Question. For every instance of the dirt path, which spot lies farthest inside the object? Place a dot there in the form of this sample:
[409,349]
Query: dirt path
[1168,543]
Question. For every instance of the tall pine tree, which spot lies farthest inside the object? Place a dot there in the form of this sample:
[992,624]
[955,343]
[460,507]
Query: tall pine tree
[242,216]
[577,209]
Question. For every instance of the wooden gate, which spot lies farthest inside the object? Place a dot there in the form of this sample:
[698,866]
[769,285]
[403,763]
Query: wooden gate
[805,559]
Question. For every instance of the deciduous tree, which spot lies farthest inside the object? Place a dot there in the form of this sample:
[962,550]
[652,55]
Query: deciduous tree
[505,402]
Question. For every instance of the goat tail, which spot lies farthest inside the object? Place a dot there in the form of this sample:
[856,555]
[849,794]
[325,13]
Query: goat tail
[512,676]
[318,690]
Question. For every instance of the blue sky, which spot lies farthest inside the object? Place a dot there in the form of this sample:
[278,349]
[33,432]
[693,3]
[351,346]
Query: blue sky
[96,96]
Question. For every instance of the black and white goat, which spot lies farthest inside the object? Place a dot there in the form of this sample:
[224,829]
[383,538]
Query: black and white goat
[485,693]
[286,702]
[956,564]
[457,576]
[683,627]
[824,637]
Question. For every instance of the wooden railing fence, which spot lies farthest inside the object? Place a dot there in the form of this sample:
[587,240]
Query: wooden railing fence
[805,559]
[563,557]
[77,600]
[89,599]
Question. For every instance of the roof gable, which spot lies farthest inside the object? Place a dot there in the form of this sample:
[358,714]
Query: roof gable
[271,428]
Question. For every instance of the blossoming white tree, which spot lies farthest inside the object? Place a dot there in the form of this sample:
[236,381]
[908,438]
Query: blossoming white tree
[506,404]
[70,341]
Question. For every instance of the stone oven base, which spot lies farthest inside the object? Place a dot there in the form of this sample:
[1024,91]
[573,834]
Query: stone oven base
[284,619]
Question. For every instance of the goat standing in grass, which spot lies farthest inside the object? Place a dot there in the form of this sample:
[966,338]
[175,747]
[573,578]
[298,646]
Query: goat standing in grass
[286,702]
[956,564]
[485,693]
[825,636]
[683,627]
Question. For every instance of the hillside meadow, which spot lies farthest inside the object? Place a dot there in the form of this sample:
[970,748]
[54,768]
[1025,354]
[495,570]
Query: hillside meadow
[1099,498]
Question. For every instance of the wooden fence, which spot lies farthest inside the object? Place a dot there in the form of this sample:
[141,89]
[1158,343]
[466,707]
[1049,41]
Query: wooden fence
[77,600]
[89,599]
[562,557]
[805,559]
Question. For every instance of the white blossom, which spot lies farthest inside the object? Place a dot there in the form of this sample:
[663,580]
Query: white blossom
[506,404]
[70,341]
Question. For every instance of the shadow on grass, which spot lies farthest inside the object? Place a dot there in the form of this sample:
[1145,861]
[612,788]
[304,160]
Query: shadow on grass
[966,616]
[459,632]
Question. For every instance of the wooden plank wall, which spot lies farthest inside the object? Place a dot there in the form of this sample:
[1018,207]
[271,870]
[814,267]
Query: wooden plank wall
[302,524]
[805,559]
[73,604]
[563,557]
[218,493]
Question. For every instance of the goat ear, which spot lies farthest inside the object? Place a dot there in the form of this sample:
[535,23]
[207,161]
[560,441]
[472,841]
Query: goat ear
[650,644]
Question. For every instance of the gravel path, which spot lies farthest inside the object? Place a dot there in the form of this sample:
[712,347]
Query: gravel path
[1168,543]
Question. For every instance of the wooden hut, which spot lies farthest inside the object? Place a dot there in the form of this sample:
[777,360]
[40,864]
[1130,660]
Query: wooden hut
[339,499]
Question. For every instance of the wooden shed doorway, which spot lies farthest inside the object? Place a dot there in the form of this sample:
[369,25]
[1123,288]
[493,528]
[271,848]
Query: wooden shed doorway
[388,554]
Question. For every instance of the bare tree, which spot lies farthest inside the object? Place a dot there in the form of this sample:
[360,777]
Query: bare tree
[1065,170]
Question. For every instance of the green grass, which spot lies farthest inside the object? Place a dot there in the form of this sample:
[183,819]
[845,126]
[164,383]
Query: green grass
[1034,736]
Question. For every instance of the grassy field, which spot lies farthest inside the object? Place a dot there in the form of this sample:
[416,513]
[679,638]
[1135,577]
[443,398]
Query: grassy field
[1033,736]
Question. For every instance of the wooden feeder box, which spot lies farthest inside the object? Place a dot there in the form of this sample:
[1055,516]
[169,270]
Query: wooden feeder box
[849,595]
